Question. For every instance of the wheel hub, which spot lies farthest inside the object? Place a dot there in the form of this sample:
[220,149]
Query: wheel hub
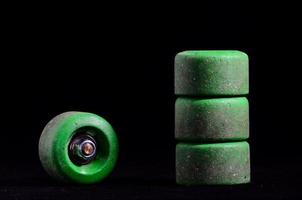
[82,149]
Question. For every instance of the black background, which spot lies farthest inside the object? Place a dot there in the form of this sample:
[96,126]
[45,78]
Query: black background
[119,64]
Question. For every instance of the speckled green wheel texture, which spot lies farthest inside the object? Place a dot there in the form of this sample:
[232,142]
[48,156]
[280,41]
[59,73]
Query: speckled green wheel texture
[211,73]
[54,147]
[213,164]
[211,120]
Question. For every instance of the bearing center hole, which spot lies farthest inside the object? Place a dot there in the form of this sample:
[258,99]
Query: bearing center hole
[88,148]
[82,149]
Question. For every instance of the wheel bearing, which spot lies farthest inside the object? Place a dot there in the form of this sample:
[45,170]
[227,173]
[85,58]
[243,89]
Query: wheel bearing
[82,149]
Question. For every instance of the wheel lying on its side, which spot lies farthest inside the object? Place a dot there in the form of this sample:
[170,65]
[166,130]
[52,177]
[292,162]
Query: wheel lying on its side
[78,147]
[226,163]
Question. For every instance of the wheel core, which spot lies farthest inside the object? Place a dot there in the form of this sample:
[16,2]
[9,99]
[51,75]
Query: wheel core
[82,149]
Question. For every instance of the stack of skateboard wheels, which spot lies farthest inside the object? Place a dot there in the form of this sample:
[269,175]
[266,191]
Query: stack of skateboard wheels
[212,118]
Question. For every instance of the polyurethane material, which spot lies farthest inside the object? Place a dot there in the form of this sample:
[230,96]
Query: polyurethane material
[213,164]
[211,120]
[54,143]
[211,73]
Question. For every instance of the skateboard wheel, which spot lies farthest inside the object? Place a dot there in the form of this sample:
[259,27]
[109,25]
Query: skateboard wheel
[213,164]
[78,147]
[213,120]
[210,73]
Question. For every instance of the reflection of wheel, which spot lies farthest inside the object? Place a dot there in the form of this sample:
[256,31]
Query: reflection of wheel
[78,147]
[213,164]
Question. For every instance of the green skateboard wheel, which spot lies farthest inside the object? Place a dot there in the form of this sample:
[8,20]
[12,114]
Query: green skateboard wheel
[211,73]
[213,164]
[78,147]
[212,120]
